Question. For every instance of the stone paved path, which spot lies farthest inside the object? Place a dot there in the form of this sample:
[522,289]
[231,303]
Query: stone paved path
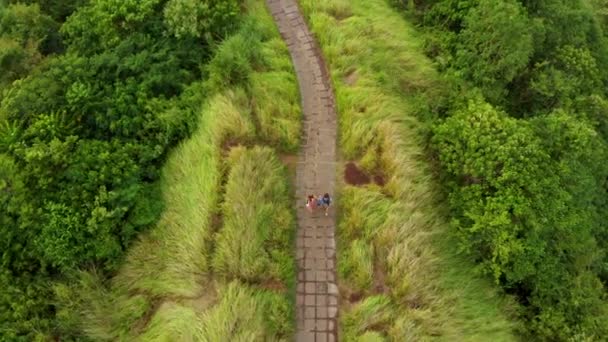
[317,293]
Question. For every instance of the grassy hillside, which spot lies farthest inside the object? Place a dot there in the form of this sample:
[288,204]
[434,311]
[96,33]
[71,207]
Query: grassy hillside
[218,265]
[401,277]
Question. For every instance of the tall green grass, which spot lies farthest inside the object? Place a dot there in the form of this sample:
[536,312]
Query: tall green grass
[254,242]
[400,274]
[218,265]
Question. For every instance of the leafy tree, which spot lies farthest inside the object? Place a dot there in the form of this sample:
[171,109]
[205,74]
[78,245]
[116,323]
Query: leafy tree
[27,25]
[25,34]
[210,19]
[530,210]
[573,71]
[59,10]
[496,164]
[494,46]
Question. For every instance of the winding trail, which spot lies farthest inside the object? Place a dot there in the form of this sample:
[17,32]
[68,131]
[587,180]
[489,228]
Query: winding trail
[317,293]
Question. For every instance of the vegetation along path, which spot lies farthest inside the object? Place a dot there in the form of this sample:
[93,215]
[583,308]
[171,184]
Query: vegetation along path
[317,293]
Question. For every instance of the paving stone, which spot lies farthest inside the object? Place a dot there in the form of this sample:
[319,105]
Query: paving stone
[309,242]
[321,287]
[331,325]
[332,289]
[321,324]
[321,312]
[309,312]
[309,324]
[332,311]
[304,335]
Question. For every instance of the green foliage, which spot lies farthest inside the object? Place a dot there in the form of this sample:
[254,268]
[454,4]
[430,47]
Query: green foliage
[103,24]
[483,149]
[25,35]
[531,227]
[23,307]
[572,72]
[59,10]
[494,45]
[29,26]
[528,195]
[211,19]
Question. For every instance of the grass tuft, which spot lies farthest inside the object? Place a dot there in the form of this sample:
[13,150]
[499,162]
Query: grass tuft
[254,243]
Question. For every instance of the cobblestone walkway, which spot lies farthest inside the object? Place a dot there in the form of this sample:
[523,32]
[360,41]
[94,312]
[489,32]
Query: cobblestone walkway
[317,293]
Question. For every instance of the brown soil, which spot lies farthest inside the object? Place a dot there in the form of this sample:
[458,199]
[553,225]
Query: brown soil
[228,144]
[355,297]
[378,179]
[273,285]
[355,176]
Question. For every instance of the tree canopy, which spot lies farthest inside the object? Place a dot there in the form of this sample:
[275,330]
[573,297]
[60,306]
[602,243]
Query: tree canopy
[93,95]
[523,152]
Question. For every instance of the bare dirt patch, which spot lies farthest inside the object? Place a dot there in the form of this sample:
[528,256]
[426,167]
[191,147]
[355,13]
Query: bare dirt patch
[273,285]
[228,144]
[379,179]
[349,296]
[355,176]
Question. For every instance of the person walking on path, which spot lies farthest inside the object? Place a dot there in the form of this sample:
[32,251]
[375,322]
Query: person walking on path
[325,201]
[311,203]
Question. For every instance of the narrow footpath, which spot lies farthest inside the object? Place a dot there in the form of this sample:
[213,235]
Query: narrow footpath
[317,293]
